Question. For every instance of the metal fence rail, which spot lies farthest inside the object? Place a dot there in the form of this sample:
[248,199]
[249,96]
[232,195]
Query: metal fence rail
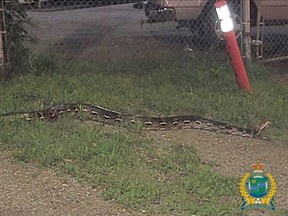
[273,34]
[121,29]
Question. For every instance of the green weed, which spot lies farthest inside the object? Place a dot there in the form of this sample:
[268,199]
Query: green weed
[203,88]
[128,167]
[132,169]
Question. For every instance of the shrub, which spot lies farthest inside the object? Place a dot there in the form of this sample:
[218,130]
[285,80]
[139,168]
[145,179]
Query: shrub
[16,37]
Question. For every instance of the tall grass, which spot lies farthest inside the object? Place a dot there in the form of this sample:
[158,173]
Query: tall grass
[186,87]
[132,169]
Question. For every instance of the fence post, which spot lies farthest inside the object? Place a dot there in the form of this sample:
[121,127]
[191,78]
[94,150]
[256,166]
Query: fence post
[259,33]
[3,57]
[247,29]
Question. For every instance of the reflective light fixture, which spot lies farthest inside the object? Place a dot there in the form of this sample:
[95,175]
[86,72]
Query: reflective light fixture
[223,13]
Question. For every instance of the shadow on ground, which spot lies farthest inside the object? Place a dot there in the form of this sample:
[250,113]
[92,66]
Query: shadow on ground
[82,39]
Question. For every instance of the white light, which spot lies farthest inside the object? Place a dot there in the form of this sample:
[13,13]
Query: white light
[226,25]
[223,12]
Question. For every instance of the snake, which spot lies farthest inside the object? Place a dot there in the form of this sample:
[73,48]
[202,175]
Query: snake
[107,116]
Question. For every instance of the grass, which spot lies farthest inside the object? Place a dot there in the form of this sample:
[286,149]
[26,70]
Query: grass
[206,89]
[132,169]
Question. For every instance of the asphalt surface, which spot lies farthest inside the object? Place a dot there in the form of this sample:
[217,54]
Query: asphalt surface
[115,30]
[112,30]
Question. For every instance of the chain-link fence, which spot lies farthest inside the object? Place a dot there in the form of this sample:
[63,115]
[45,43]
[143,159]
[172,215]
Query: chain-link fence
[271,31]
[119,31]
[111,30]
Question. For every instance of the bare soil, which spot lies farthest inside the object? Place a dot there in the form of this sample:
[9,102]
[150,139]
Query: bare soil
[26,189]
[234,156]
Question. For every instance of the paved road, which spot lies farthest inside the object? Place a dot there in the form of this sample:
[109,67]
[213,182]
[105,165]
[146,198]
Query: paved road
[115,30]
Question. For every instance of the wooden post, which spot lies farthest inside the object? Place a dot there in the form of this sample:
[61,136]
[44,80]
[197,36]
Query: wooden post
[3,56]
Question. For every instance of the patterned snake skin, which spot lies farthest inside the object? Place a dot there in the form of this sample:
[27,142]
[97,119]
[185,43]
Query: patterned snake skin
[100,114]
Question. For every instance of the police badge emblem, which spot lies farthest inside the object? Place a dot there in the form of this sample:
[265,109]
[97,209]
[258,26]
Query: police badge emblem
[258,189]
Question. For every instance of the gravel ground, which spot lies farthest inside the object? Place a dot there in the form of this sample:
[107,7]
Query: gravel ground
[28,190]
[234,156]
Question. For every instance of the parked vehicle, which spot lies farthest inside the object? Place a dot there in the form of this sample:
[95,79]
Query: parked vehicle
[200,15]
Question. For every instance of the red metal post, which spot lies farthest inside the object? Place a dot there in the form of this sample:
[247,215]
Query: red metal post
[234,52]
[237,61]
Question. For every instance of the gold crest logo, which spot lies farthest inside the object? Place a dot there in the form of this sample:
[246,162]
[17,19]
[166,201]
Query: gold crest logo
[258,189]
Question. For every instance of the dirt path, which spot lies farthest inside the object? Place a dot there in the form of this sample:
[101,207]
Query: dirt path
[234,156]
[28,190]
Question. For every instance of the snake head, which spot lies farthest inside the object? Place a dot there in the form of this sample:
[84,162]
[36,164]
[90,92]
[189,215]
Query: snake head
[261,127]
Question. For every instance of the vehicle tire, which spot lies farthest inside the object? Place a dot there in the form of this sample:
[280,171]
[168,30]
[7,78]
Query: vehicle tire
[205,24]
